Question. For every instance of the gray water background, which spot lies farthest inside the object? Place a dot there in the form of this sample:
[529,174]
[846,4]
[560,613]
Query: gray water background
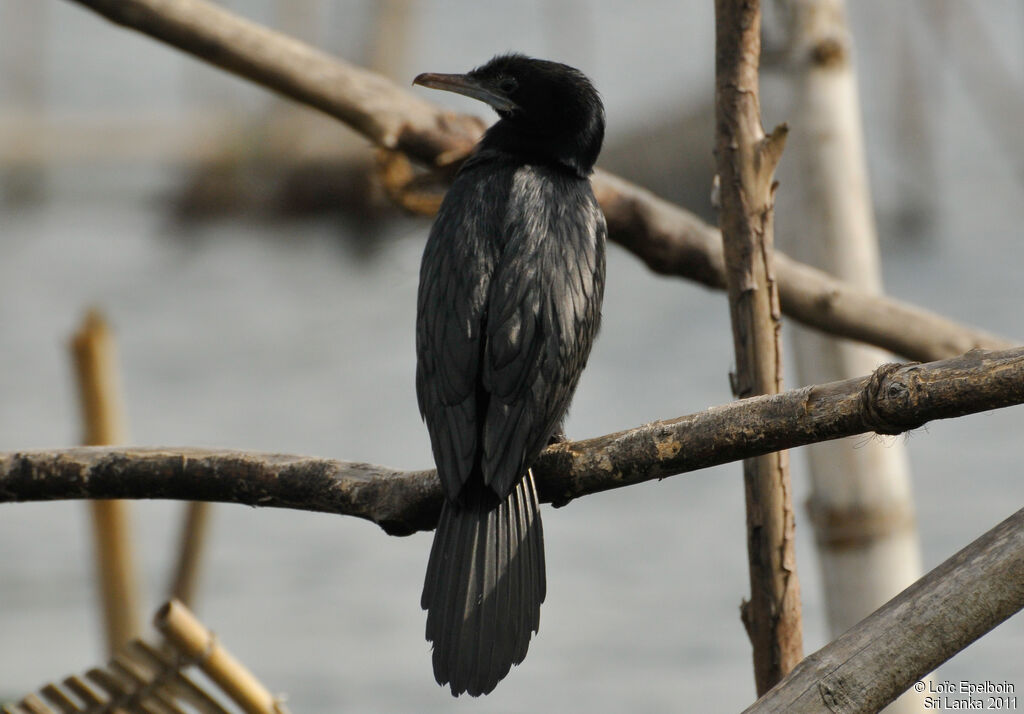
[271,335]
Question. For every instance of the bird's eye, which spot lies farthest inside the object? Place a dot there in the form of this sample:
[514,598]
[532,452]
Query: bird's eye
[508,85]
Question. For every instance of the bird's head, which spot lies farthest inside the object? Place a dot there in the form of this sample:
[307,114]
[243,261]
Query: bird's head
[549,111]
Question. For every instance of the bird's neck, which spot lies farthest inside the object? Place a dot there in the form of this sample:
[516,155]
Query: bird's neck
[573,151]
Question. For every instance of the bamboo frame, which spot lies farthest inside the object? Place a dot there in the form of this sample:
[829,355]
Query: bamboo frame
[187,635]
[154,680]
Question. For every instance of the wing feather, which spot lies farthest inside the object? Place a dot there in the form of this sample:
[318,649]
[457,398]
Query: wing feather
[509,304]
[543,314]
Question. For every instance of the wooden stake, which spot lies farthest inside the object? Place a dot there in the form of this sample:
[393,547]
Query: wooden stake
[746,166]
[190,551]
[104,424]
[190,637]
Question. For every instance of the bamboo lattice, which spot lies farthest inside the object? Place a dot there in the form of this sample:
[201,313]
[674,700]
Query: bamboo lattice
[166,679]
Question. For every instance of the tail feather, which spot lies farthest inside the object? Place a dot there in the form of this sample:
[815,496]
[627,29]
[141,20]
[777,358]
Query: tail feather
[484,585]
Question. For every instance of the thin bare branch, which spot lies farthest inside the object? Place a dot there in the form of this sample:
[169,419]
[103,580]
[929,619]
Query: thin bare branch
[669,239]
[747,159]
[912,634]
[892,400]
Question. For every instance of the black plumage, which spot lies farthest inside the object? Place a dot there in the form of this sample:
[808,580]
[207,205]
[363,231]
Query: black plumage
[509,304]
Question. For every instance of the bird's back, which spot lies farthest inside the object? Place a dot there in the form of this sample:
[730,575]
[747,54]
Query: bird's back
[509,305]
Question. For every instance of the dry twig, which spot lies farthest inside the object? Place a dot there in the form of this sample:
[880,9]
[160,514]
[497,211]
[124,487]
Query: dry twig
[747,159]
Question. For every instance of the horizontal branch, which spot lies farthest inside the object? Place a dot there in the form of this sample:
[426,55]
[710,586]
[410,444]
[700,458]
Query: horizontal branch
[895,398]
[912,634]
[669,239]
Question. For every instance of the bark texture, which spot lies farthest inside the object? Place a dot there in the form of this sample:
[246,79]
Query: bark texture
[747,159]
[894,399]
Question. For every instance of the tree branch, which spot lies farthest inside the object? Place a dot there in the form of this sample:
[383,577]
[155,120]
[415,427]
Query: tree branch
[894,399]
[942,613]
[747,159]
[669,239]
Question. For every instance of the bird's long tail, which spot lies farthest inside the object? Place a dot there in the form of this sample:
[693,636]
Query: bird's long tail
[484,586]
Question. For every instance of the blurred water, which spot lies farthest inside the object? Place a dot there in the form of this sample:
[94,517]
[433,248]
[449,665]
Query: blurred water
[270,335]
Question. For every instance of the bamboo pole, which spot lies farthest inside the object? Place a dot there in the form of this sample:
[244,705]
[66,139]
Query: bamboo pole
[892,400]
[747,159]
[861,503]
[103,417]
[191,638]
[194,529]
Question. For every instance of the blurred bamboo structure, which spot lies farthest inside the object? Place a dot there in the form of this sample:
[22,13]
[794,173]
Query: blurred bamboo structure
[22,53]
[188,636]
[152,679]
[196,524]
[95,357]
[103,414]
[861,504]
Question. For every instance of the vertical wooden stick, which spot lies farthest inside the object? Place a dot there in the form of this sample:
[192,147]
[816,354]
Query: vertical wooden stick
[103,418]
[189,637]
[746,166]
[193,535]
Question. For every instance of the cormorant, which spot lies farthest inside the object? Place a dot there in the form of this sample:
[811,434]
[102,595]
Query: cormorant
[509,304]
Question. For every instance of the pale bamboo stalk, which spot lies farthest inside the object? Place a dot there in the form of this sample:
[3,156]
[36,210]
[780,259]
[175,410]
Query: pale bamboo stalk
[182,688]
[57,695]
[747,159]
[861,502]
[185,581]
[34,705]
[103,417]
[193,640]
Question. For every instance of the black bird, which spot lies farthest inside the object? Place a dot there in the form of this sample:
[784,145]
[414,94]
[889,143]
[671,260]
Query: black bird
[509,305]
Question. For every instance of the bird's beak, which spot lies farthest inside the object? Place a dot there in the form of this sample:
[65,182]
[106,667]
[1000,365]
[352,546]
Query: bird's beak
[464,84]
